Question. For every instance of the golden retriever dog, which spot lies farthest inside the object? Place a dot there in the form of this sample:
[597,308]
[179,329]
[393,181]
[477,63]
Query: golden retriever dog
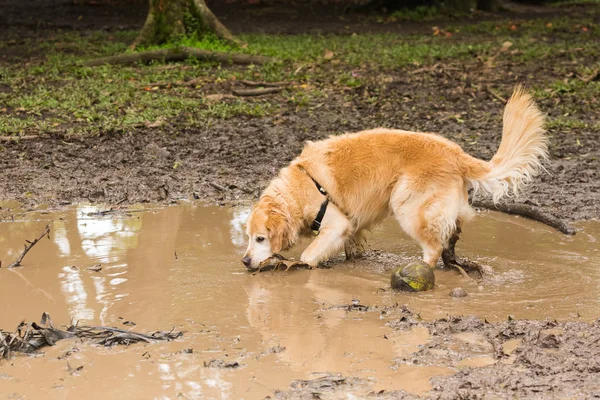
[358,179]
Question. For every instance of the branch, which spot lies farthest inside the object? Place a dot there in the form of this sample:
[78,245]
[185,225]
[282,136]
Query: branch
[28,247]
[265,84]
[179,54]
[17,138]
[528,211]
[256,92]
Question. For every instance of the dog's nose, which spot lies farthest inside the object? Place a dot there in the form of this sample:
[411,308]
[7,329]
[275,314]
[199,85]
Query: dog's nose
[247,261]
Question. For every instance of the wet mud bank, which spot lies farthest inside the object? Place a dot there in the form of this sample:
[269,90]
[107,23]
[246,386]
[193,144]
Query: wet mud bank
[231,162]
[335,332]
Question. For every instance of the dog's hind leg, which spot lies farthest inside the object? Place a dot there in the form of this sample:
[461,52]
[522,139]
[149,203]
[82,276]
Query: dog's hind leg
[334,233]
[354,246]
[464,265]
[429,217]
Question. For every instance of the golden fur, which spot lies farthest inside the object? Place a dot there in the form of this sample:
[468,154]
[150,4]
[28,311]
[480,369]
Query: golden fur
[420,178]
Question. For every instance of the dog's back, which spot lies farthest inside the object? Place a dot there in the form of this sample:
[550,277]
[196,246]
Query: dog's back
[361,170]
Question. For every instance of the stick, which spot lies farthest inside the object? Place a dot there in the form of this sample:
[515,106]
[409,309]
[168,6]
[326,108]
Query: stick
[495,95]
[592,77]
[265,84]
[179,54]
[218,187]
[28,247]
[257,92]
[425,69]
[191,82]
[528,211]
[17,138]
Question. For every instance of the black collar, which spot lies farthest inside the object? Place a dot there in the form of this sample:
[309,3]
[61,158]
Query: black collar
[316,224]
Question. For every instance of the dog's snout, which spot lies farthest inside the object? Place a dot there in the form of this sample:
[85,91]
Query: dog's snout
[247,261]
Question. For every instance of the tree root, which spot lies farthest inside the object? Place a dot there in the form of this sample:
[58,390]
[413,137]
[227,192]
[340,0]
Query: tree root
[528,211]
[165,22]
[179,54]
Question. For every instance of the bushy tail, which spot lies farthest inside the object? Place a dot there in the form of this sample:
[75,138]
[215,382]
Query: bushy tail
[523,146]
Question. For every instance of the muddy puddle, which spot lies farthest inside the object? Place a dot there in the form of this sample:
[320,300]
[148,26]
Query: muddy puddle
[247,336]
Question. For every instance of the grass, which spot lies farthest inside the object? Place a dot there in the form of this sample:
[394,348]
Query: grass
[58,94]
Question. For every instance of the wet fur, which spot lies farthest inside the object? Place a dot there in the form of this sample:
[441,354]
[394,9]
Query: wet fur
[422,179]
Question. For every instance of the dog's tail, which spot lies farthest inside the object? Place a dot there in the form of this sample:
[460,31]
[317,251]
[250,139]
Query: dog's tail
[518,159]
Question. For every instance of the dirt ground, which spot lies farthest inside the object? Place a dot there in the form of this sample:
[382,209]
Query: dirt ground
[231,160]
[242,154]
[532,360]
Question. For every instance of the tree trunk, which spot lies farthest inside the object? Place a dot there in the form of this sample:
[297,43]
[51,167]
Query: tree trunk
[168,19]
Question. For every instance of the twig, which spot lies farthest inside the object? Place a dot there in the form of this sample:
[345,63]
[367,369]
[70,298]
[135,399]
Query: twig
[265,84]
[191,82]
[257,92]
[28,247]
[592,77]
[530,212]
[218,187]
[495,95]
[179,54]
[17,138]
[424,69]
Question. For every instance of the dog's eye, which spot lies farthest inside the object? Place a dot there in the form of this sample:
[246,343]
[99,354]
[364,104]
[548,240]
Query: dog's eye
[260,239]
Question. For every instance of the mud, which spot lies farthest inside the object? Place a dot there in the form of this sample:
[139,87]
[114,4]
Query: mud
[337,331]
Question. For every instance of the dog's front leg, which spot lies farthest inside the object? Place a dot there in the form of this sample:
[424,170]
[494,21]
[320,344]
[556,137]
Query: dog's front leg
[334,232]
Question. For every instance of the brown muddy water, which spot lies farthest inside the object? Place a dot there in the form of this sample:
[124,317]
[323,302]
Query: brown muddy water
[180,267]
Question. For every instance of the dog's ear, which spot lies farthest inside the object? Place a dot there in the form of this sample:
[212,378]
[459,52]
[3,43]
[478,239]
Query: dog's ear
[278,232]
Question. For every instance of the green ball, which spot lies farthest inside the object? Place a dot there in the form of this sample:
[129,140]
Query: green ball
[414,277]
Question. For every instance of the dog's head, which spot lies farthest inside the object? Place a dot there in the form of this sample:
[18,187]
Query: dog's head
[268,230]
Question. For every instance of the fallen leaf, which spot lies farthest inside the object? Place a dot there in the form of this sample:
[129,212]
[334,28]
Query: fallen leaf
[506,45]
[328,54]
[155,124]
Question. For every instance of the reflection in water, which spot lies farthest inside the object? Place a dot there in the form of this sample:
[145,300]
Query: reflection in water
[60,238]
[238,228]
[74,290]
[106,239]
[179,267]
